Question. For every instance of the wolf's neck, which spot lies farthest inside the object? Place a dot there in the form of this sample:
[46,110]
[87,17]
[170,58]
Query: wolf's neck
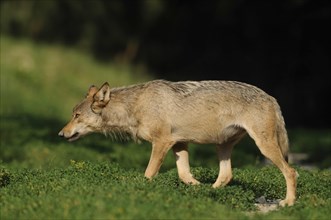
[118,116]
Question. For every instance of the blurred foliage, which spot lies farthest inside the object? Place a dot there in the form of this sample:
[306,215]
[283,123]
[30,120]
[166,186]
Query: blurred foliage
[315,143]
[106,28]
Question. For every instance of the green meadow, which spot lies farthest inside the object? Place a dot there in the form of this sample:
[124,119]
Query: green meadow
[44,177]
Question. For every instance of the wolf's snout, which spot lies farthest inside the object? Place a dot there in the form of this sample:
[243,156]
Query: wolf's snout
[61,134]
[69,136]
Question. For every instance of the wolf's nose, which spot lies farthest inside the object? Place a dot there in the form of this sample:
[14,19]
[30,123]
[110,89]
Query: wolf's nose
[61,134]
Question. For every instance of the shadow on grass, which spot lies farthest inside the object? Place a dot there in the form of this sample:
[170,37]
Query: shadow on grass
[20,130]
[27,128]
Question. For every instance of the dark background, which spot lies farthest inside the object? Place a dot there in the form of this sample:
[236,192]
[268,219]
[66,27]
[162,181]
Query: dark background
[282,47]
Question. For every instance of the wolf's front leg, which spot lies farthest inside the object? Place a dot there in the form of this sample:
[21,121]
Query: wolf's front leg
[159,151]
[182,162]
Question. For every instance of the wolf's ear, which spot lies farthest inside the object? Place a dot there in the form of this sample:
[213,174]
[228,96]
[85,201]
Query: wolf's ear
[92,90]
[101,98]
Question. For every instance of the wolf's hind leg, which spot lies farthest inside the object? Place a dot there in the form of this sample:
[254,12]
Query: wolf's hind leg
[225,171]
[270,149]
[224,151]
[182,162]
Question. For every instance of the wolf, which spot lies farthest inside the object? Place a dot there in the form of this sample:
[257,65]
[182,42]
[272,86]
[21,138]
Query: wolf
[170,115]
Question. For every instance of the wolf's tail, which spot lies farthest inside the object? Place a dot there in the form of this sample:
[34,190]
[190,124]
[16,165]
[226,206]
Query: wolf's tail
[282,134]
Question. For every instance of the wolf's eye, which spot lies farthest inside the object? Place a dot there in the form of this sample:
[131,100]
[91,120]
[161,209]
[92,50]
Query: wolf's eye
[76,115]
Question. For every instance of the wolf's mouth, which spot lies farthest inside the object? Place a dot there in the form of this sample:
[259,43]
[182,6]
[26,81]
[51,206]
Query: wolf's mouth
[74,137]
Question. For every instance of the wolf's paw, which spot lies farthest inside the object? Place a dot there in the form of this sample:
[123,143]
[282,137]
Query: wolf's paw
[191,181]
[194,182]
[286,202]
[220,182]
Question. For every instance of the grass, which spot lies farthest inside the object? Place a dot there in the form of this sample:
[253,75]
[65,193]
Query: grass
[107,191]
[44,177]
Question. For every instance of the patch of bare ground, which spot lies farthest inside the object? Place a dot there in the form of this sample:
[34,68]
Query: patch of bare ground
[264,206]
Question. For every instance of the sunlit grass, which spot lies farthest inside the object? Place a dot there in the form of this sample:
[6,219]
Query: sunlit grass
[49,80]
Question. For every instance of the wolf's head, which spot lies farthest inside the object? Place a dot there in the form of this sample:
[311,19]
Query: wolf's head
[86,116]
